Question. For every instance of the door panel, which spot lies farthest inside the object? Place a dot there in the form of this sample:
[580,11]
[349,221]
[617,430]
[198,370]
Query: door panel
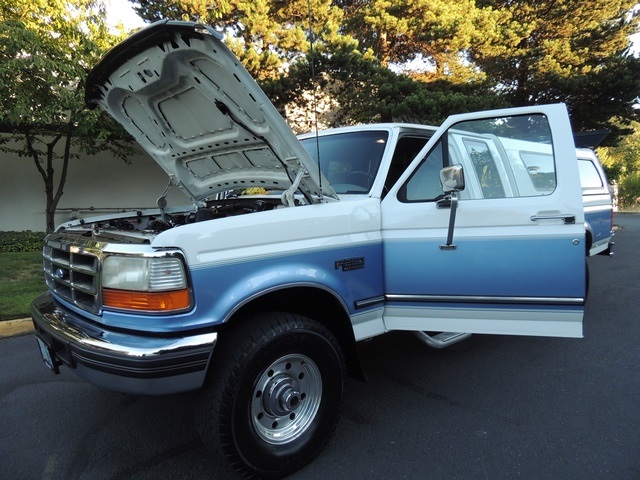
[516,264]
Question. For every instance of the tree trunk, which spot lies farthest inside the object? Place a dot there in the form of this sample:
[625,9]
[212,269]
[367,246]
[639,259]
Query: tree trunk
[52,194]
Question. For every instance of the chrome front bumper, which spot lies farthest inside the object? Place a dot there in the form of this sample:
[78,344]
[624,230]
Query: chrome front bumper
[122,361]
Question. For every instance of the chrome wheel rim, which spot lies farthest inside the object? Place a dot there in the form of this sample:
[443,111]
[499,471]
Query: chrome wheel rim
[286,399]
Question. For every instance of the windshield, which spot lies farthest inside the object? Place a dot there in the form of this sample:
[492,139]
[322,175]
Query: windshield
[350,161]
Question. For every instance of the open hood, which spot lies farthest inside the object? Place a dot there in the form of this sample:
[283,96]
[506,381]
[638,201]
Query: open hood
[194,108]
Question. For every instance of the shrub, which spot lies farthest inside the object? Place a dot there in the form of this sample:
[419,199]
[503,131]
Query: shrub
[26,241]
[629,191]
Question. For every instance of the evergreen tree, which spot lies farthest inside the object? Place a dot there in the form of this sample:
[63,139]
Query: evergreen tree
[469,51]
[369,92]
[572,51]
[438,33]
[266,35]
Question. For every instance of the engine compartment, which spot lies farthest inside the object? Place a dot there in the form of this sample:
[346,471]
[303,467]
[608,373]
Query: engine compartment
[147,223]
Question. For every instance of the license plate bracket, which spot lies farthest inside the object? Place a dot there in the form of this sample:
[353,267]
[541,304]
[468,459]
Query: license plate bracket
[48,356]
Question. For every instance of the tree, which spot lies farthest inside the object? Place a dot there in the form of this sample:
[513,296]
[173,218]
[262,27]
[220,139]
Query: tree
[572,51]
[47,49]
[471,53]
[622,164]
[530,52]
[279,43]
[438,33]
[368,92]
[266,35]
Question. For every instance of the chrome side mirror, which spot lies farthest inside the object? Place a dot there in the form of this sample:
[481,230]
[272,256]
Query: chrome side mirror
[452,178]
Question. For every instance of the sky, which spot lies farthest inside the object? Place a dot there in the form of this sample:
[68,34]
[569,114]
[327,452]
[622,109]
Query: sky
[121,11]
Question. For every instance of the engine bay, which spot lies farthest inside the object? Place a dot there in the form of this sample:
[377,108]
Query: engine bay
[153,221]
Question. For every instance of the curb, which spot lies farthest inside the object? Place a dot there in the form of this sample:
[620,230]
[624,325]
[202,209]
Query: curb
[13,328]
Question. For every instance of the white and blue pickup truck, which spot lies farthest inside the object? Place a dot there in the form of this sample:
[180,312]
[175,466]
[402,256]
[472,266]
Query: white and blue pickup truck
[258,301]
[598,203]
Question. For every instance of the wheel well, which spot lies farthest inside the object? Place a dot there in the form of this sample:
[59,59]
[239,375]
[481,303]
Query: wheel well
[314,303]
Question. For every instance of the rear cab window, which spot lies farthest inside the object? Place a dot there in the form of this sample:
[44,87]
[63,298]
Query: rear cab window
[590,178]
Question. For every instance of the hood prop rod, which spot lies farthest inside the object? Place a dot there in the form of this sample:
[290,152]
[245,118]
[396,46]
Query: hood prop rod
[288,197]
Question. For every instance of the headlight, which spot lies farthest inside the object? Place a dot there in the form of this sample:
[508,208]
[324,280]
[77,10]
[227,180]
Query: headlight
[143,273]
[152,284]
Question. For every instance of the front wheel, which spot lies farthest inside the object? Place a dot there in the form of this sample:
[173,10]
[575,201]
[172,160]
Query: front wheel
[275,393]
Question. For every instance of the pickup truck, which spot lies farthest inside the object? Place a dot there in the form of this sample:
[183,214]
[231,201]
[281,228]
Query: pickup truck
[292,250]
[598,203]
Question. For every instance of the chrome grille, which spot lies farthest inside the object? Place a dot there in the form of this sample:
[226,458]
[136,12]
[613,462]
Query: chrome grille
[73,274]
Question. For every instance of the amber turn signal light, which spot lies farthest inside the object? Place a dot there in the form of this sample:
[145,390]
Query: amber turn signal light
[146,301]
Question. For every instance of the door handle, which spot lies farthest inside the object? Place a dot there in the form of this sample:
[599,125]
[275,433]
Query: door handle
[567,218]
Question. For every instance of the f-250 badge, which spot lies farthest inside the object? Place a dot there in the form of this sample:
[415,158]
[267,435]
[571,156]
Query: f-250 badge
[349,264]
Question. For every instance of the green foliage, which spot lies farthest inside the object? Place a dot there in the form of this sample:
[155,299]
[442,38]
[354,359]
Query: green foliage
[368,92]
[26,241]
[453,55]
[197,11]
[572,51]
[622,164]
[629,191]
[20,282]
[46,50]
[621,160]
[438,32]
[266,35]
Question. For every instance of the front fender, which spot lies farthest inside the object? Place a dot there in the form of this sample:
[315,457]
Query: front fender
[221,290]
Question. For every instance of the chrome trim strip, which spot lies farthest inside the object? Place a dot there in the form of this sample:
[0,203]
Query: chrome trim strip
[486,299]
[369,301]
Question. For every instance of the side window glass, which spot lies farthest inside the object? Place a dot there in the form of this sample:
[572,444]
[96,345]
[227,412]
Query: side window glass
[541,169]
[506,156]
[424,184]
[406,150]
[502,157]
[484,165]
[589,177]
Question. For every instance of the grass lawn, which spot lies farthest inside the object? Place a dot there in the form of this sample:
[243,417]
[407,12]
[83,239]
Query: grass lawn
[21,281]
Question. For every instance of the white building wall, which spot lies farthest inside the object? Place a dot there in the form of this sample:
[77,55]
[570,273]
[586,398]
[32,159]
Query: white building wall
[95,185]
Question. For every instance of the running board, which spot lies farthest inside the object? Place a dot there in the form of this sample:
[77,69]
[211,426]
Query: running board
[442,340]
